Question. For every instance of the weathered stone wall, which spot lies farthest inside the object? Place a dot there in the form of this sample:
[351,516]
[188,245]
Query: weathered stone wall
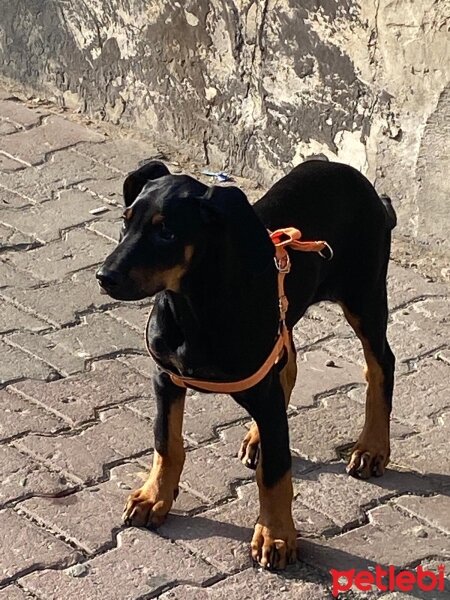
[255,86]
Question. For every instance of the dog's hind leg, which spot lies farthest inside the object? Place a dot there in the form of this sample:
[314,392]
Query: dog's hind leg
[370,455]
[149,505]
[249,450]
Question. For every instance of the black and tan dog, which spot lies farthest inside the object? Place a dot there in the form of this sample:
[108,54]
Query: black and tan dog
[206,253]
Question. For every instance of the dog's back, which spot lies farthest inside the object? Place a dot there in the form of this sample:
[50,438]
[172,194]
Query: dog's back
[333,202]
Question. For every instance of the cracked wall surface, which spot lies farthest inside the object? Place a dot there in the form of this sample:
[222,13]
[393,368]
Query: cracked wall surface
[257,86]
[77,409]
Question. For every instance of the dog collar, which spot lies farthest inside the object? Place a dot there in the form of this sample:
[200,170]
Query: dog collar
[282,239]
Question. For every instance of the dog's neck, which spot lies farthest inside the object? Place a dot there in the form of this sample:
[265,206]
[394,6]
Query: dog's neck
[223,322]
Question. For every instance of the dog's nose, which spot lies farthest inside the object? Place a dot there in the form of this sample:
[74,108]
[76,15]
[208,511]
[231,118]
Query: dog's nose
[109,280]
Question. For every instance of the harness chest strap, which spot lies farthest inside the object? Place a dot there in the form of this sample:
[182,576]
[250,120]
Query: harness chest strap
[281,238]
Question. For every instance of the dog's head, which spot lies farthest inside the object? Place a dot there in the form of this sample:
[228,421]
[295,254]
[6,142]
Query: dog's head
[167,220]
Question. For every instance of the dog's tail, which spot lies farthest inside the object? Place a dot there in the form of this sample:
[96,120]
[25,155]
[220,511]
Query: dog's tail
[391,217]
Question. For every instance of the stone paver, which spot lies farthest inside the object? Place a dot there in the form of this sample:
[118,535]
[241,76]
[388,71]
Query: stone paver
[75,399]
[143,571]
[249,585]
[29,546]
[117,435]
[76,250]
[433,510]
[23,476]
[63,302]
[15,112]
[426,452]
[54,133]
[71,208]
[390,538]
[12,239]
[78,409]
[30,366]
[92,516]
[11,592]
[20,416]
[62,170]
[14,319]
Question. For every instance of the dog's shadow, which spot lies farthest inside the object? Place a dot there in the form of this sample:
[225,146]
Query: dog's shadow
[395,480]
[227,529]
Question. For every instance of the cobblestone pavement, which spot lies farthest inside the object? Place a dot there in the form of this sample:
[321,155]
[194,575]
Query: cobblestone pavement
[77,411]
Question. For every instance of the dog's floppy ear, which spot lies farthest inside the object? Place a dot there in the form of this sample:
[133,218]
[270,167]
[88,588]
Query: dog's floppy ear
[136,180]
[229,208]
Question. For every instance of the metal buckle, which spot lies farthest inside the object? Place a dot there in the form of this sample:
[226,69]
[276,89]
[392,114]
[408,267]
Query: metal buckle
[287,266]
[330,250]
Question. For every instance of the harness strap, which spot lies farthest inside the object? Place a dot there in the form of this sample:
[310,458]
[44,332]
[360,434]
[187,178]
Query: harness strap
[282,239]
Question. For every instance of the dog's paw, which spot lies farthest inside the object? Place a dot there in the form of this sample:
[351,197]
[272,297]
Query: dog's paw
[368,458]
[274,548]
[148,506]
[249,451]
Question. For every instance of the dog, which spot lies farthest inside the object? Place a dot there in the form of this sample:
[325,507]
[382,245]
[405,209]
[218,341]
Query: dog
[205,254]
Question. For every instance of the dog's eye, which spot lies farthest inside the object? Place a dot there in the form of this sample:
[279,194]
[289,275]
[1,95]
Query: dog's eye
[164,233]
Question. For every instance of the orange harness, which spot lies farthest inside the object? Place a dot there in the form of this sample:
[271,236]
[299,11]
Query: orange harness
[281,238]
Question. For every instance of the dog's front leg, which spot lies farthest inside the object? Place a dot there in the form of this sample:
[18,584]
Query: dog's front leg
[274,543]
[149,505]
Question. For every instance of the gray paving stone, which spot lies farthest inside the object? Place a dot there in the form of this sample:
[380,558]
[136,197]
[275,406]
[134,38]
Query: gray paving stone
[426,452]
[211,475]
[23,476]
[344,500]
[61,303]
[76,250]
[12,592]
[53,134]
[404,286]
[109,228]
[11,277]
[223,534]
[41,353]
[9,165]
[62,170]
[109,190]
[251,585]
[422,394]
[148,563]
[92,516]
[314,378]
[315,433]
[134,316]
[142,363]
[76,399]
[16,364]
[6,128]
[388,539]
[17,113]
[435,510]
[123,155]
[29,547]
[20,416]
[97,336]
[10,199]
[13,319]
[117,435]
[47,220]
[310,331]
[12,239]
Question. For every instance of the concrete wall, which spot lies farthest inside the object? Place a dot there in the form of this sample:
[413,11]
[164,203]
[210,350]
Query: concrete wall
[255,86]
